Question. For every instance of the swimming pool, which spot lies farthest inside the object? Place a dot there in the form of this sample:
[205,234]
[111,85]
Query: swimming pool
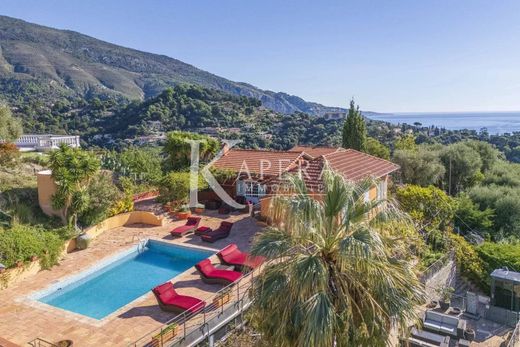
[105,288]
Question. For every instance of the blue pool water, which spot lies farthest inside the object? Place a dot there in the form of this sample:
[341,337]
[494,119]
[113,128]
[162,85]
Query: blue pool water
[104,291]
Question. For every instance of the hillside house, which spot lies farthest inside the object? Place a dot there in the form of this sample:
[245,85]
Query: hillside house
[260,172]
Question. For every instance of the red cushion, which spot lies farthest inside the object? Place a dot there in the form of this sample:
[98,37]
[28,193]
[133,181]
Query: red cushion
[236,258]
[193,221]
[163,288]
[186,302]
[228,250]
[232,255]
[167,296]
[225,226]
[203,229]
[182,229]
[205,266]
[227,275]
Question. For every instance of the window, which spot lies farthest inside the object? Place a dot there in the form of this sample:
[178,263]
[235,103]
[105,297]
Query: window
[251,188]
[381,190]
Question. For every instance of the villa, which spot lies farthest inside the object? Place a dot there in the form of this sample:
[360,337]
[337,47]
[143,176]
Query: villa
[42,143]
[261,172]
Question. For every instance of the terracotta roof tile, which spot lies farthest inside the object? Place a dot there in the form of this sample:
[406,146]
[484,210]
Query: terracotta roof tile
[258,162]
[355,165]
[352,164]
[316,151]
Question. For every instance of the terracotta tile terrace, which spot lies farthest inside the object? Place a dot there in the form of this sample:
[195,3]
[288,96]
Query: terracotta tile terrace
[22,320]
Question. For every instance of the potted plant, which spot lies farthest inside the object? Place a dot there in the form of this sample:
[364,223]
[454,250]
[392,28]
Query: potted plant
[34,258]
[469,334]
[199,208]
[445,297]
[165,335]
[83,241]
[183,212]
[221,298]
[19,263]
[432,304]
[64,343]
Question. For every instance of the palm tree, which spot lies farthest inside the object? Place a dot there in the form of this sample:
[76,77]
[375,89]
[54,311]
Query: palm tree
[72,170]
[334,280]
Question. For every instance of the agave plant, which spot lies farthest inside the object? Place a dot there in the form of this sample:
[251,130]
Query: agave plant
[333,279]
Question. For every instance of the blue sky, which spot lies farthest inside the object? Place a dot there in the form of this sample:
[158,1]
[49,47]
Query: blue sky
[398,55]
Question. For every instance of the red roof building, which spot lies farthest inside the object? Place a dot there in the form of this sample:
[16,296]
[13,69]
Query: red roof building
[259,171]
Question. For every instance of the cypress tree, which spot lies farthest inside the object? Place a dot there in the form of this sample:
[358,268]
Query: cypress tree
[354,130]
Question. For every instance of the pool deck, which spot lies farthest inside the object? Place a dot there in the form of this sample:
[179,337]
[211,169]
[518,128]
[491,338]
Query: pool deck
[22,320]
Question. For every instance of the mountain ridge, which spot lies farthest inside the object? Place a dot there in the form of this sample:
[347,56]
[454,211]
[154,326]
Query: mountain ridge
[72,63]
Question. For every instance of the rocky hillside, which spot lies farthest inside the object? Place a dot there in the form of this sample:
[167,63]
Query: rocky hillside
[49,64]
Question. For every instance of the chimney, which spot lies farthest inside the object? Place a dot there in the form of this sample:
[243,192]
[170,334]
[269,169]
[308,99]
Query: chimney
[225,148]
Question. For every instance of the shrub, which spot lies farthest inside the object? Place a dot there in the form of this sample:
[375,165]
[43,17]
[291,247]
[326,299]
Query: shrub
[21,242]
[470,217]
[376,148]
[176,187]
[9,154]
[102,194]
[428,206]
[178,149]
[421,166]
[497,255]
[141,165]
[469,261]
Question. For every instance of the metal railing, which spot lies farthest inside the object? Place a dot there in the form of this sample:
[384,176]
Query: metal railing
[187,328]
[436,266]
[514,341]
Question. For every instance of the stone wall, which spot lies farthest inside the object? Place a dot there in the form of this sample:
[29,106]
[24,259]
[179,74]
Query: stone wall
[445,277]
[134,217]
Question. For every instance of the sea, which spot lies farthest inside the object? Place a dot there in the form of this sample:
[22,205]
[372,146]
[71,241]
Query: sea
[494,122]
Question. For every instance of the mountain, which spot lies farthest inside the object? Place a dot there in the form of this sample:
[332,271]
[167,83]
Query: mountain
[51,63]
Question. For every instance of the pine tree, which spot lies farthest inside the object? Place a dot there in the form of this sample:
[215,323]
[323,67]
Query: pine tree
[354,130]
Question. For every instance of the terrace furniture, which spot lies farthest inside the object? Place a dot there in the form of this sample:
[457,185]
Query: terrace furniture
[191,225]
[421,338]
[212,204]
[231,255]
[243,201]
[212,275]
[203,230]
[469,334]
[222,232]
[224,209]
[169,300]
[444,324]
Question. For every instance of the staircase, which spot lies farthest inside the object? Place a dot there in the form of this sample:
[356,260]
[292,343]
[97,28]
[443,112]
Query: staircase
[462,286]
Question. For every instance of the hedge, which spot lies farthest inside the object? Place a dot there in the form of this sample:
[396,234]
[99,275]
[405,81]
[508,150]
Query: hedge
[498,255]
[22,242]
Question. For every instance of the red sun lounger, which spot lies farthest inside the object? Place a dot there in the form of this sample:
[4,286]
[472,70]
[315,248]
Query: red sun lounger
[191,225]
[231,255]
[169,300]
[212,275]
[222,232]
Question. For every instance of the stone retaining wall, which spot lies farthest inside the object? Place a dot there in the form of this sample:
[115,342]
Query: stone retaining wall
[444,277]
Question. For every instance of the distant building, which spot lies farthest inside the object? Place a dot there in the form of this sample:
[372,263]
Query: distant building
[335,115]
[41,143]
